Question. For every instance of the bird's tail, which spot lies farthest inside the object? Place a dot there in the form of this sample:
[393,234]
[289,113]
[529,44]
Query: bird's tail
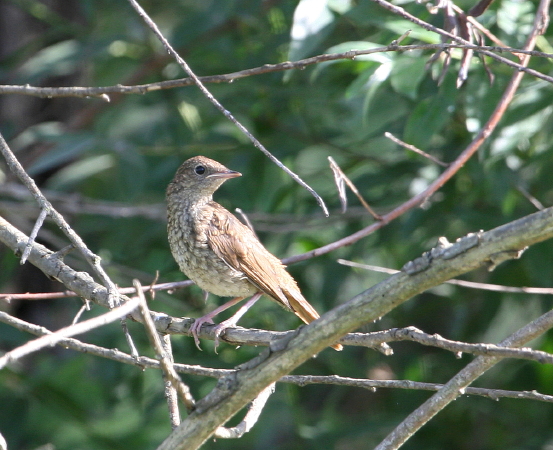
[305,311]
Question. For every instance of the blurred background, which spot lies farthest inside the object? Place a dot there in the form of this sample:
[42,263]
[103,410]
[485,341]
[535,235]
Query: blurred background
[105,167]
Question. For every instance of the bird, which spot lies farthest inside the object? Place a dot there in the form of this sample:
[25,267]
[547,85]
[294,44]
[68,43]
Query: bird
[219,253]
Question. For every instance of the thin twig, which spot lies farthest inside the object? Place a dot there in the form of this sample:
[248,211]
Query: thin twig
[72,330]
[165,359]
[537,204]
[219,106]
[32,236]
[373,385]
[128,338]
[340,178]
[80,312]
[125,291]
[463,283]
[414,149]
[171,394]
[81,91]
[413,334]
[250,418]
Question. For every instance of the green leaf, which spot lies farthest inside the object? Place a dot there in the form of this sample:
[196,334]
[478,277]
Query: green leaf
[56,60]
[428,117]
[407,74]
[311,24]
[80,170]
[69,147]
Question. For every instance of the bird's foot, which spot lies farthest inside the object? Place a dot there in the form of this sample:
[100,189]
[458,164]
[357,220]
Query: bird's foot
[230,322]
[195,329]
[220,329]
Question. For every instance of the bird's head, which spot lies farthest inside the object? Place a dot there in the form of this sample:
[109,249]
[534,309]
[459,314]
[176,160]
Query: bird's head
[199,177]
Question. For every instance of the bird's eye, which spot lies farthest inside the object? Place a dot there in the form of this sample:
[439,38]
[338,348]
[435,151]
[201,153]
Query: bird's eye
[200,170]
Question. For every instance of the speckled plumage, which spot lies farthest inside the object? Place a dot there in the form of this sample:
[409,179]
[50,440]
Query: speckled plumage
[215,250]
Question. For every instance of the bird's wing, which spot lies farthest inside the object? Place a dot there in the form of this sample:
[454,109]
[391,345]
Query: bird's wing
[239,248]
[237,245]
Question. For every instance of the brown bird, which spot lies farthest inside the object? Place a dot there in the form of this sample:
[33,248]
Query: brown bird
[219,253]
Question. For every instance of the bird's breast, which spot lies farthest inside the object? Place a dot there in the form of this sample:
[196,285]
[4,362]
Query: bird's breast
[189,242]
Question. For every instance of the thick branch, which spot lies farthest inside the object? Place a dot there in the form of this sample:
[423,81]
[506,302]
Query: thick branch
[235,391]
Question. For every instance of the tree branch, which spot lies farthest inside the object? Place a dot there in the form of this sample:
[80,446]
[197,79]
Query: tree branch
[104,91]
[45,205]
[234,391]
[144,362]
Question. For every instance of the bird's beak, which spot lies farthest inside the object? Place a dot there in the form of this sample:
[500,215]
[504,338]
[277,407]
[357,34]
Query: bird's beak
[225,175]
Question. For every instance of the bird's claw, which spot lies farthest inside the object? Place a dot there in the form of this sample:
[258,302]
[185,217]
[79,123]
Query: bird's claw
[218,330]
[195,330]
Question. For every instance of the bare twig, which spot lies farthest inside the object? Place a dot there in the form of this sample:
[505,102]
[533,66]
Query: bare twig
[108,353]
[77,91]
[414,149]
[300,380]
[373,385]
[250,418]
[463,283]
[537,204]
[165,359]
[125,291]
[435,340]
[72,330]
[171,394]
[32,236]
[128,338]
[219,106]
[340,178]
[80,312]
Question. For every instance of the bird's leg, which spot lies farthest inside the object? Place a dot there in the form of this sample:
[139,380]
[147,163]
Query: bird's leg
[208,318]
[232,321]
